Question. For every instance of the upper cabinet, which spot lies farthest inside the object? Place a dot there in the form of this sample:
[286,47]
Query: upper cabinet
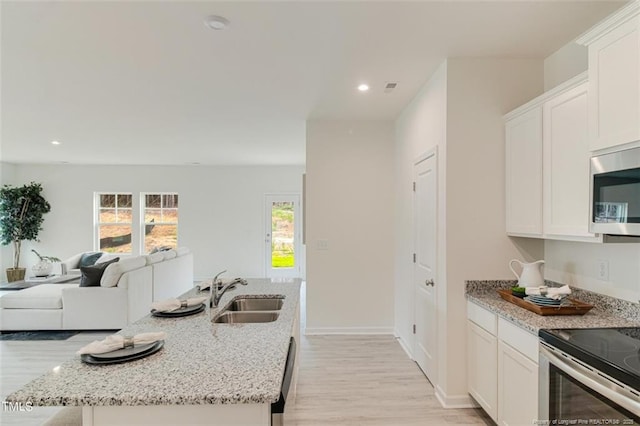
[566,166]
[524,172]
[547,165]
[614,78]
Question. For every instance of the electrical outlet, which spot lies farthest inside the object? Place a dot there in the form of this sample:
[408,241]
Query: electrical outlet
[603,270]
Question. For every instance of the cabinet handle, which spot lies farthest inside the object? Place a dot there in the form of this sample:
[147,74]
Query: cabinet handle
[429,283]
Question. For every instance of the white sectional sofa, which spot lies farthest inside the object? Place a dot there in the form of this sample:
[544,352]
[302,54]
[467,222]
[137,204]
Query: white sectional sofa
[138,281]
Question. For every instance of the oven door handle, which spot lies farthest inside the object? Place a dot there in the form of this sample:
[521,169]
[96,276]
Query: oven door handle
[591,380]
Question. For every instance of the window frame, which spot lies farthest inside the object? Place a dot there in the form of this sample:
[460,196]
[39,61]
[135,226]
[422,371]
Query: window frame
[97,223]
[144,223]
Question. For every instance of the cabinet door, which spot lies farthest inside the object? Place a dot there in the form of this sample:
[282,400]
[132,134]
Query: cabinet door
[482,364]
[566,166]
[524,174]
[517,387]
[614,76]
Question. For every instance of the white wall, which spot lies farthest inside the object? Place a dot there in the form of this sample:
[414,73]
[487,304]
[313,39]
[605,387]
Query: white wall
[221,216]
[349,196]
[577,264]
[461,111]
[7,177]
[567,62]
[422,126]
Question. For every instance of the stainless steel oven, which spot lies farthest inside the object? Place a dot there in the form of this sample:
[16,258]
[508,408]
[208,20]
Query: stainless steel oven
[589,376]
[615,193]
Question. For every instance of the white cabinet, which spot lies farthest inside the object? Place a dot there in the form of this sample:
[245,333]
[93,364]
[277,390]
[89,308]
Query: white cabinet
[547,165]
[524,173]
[614,78]
[482,362]
[517,375]
[502,367]
[517,387]
[566,166]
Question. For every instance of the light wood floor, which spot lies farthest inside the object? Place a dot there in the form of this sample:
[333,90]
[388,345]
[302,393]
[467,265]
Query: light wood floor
[367,380]
[344,380]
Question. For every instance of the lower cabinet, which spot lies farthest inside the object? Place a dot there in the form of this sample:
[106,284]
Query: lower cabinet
[502,367]
[517,387]
[482,368]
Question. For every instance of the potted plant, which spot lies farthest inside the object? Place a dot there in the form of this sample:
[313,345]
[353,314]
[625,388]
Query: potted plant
[21,215]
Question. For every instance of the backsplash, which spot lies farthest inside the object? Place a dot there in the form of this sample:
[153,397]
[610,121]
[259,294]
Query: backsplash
[617,307]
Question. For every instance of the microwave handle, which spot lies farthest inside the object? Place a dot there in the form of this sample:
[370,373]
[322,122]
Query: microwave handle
[573,370]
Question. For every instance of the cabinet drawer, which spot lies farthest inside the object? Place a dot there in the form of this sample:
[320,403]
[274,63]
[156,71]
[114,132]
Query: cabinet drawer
[482,317]
[519,339]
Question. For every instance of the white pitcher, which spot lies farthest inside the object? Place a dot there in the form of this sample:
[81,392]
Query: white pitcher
[531,275]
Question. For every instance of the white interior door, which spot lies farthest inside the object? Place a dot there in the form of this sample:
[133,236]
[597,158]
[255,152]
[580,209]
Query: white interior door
[282,236]
[424,270]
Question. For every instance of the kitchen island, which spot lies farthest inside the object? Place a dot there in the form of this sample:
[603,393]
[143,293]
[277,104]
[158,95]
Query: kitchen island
[206,373]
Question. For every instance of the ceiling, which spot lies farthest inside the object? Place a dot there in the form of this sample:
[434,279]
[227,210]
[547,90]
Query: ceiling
[122,82]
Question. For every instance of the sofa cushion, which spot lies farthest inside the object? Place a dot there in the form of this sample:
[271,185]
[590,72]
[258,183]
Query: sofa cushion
[113,273]
[88,259]
[44,296]
[154,258]
[181,251]
[91,275]
[169,254]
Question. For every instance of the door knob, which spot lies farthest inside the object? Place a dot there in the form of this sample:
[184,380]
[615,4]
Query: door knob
[429,283]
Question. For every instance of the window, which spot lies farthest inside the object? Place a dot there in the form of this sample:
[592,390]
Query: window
[160,212]
[114,220]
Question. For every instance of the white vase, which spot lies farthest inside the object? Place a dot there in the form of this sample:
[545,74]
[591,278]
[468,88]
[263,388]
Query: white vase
[42,268]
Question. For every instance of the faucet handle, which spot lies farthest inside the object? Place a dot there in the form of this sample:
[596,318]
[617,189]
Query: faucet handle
[215,279]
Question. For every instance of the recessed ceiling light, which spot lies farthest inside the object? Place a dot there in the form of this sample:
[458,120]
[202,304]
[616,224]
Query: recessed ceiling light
[55,143]
[363,87]
[216,22]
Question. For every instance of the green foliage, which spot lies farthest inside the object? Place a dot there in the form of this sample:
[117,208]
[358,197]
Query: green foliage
[21,215]
[282,260]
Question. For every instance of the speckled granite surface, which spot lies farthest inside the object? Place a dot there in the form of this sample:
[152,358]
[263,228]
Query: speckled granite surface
[201,362]
[607,311]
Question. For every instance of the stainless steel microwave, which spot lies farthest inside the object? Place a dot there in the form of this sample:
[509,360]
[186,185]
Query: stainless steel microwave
[615,193]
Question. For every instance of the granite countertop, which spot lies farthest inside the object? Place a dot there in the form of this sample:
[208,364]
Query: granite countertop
[201,362]
[607,312]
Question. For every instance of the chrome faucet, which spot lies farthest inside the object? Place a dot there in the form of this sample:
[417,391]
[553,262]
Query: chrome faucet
[213,289]
[215,295]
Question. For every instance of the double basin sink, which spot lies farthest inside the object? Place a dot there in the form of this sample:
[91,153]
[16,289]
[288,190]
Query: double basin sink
[250,310]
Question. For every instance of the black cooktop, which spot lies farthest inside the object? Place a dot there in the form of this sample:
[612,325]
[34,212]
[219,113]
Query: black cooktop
[613,351]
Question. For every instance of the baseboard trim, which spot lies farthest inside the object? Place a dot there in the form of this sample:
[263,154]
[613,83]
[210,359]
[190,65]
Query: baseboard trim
[404,346]
[455,401]
[319,331]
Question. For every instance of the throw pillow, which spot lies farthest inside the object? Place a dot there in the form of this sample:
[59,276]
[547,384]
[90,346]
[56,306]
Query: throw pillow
[91,275]
[88,259]
[112,274]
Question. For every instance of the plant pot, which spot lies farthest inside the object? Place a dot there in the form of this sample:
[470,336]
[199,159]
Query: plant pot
[15,274]
[42,269]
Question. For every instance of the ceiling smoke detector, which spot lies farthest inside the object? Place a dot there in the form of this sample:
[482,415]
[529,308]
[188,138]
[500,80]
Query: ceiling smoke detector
[216,22]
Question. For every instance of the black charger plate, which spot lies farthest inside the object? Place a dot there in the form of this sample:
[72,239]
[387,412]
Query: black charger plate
[123,355]
[182,312]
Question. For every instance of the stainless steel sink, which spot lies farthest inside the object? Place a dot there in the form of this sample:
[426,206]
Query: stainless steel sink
[266,304]
[246,317]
